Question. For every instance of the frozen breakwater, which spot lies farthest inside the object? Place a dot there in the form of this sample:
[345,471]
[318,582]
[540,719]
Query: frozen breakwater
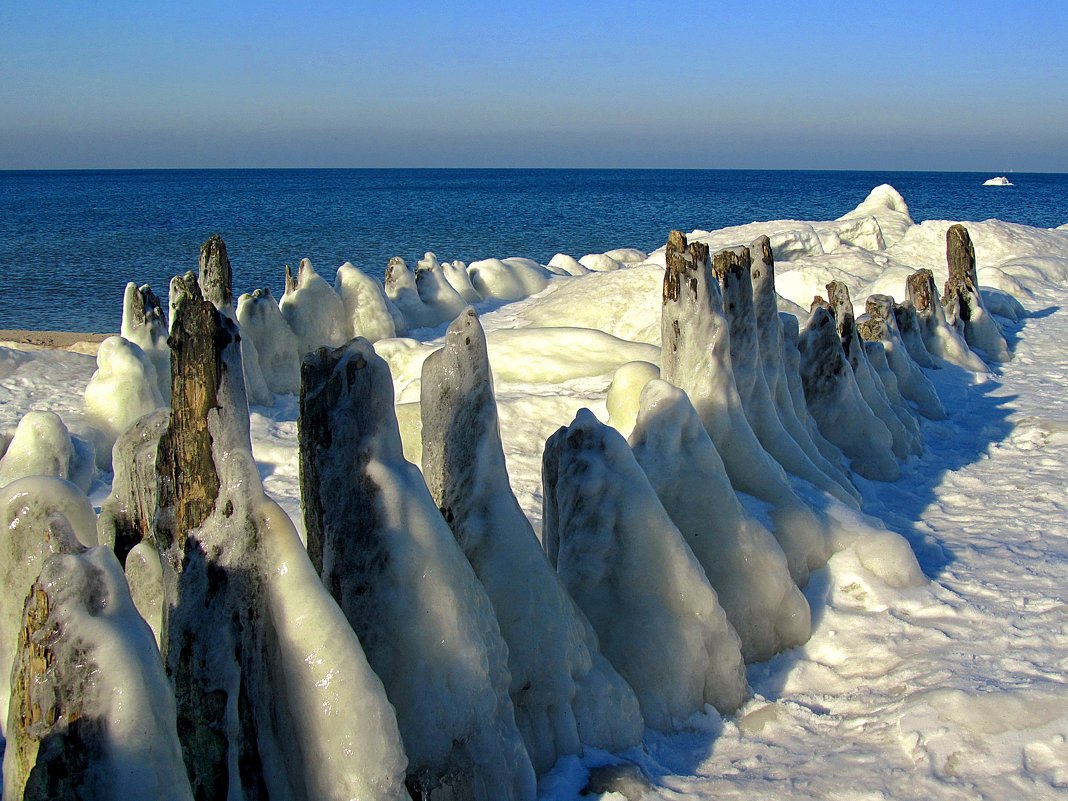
[546,586]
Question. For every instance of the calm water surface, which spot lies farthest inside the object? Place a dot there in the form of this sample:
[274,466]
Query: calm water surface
[70,240]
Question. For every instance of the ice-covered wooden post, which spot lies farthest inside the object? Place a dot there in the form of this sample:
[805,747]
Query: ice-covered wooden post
[216,276]
[963,301]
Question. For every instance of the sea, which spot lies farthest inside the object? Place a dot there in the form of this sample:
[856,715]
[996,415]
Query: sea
[71,240]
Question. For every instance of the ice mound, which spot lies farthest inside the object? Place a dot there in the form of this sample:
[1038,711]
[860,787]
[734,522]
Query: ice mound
[144,324]
[565,693]
[313,310]
[507,279]
[28,509]
[370,313]
[837,404]
[772,344]
[632,573]
[741,559]
[92,713]
[276,346]
[624,394]
[940,338]
[282,680]
[42,446]
[733,270]
[886,205]
[123,388]
[389,559]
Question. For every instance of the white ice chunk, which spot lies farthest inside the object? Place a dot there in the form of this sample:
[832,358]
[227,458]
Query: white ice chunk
[507,279]
[366,304]
[313,310]
[276,347]
[632,574]
[741,558]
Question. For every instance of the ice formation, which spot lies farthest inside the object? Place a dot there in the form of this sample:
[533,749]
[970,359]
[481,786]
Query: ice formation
[403,292]
[837,404]
[28,507]
[733,272]
[123,388]
[624,394]
[42,446]
[963,301]
[389,559]
[276,346]
[565,693]
[695,356]
[368,309]
[880,326]
[939,338]
[313,310]
[772,344]
[633,575]
[435,290]
[92,714]
[741,559]
[507,279]
[144,324]
[903,427]
[265,689]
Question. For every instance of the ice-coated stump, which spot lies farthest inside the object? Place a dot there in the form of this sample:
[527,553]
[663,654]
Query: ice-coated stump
[629,569]
[403,292]
[126,514]
[733,270]
[741,558]
[435,290]
[963,301]
[313,310]
[908,323]
[507,279]
[145,325]
[881,326]
[92,714]
[370,313]
[772,351]
[565,693]
[274,695]
[695,356]
[29,508]
[836,403]
[902,425]
[387,556]
[456,274]
[216,277]
[42,446]
[275,343]
[123,388]
[939,337]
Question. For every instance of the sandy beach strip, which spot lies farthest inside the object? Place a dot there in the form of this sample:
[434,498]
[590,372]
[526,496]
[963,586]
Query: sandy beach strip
[75,341]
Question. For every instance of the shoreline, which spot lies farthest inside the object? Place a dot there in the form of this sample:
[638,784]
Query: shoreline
[76,341]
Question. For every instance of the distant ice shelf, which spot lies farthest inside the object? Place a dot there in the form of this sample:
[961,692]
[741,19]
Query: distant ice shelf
[1000,180]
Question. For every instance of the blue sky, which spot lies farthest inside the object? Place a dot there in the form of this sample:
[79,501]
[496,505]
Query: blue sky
[824,85]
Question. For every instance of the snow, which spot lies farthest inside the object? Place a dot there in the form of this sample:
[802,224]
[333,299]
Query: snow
[942,684]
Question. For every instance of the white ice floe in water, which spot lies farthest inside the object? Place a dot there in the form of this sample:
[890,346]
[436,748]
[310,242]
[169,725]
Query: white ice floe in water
[946,691]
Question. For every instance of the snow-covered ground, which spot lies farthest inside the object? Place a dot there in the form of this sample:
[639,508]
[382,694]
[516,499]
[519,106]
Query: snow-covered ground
[955,688]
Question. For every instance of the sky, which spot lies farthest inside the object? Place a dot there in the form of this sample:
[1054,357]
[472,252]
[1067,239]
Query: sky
[775,85]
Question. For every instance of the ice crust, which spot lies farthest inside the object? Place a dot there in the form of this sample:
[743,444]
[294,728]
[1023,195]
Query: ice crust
[313,310]
[565,693]
[622,558]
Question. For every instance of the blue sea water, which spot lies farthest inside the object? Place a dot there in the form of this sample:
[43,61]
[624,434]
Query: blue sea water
[70,240]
